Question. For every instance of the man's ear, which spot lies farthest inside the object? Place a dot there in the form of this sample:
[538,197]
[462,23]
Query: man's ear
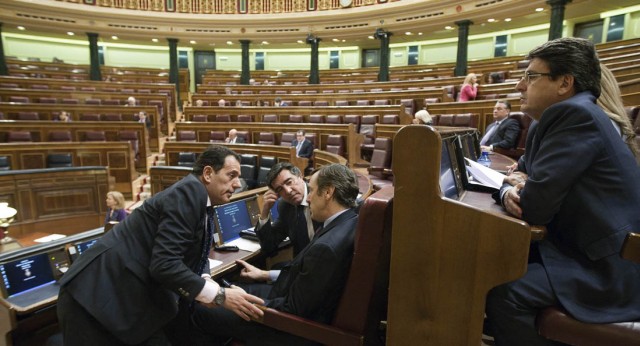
[206,174]
[567,85]
[328,192]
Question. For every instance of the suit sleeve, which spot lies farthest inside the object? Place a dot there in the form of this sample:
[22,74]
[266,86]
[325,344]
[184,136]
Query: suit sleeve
[183,213]
[510,135]
[569,143]
[271,234]
[312,284]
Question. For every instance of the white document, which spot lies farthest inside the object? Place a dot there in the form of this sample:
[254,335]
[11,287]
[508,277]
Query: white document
[485,175]
[214,263]
[49,238]
[245,244]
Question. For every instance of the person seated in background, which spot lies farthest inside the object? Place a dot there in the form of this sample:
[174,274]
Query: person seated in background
[131,101]
[115,207]
[469,89]
[144,119]
[504,131]
[285,182]
[495,78]
[56,60]
[304,147]
[199,103]
[222,103]
[312,284]
[233,137]
[238,103]
[422,117]
[63,117]
[279,103]
[580,180]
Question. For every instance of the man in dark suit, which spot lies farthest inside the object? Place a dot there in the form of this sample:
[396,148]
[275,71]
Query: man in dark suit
[233,137]
[145,274]
[503,132]
[583,184]
[311,285]
[294,218]
[304,147]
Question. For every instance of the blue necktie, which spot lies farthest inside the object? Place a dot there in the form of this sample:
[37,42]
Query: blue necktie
[208,238]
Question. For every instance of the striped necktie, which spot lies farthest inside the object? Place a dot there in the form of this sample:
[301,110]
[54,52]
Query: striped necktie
[208,237]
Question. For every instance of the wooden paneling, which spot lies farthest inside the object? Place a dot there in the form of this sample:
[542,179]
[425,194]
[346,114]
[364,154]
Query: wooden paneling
[59,200]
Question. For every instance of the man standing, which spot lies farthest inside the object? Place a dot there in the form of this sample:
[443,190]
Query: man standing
[503,132]
[233,137]
[145,274]
[583,184]
[304,147]
[311,285]
[294,217]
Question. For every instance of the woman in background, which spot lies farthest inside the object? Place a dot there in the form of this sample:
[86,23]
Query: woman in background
[115,207]
[469,88]
[611,102]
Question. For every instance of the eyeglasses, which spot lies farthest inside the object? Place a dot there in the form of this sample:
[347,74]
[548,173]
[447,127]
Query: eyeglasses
[530,77]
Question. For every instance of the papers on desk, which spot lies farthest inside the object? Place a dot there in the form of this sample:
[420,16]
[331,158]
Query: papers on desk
[50,237]
[214,263]
[484,175]
[245,244]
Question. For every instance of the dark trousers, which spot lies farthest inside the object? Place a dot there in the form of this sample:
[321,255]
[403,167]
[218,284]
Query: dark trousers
[512,308]
[217,325]
[80,328]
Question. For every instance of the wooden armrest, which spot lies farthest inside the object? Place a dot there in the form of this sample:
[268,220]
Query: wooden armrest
[307,329]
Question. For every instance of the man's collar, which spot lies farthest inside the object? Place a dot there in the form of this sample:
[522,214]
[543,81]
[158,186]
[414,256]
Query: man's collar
[306,192]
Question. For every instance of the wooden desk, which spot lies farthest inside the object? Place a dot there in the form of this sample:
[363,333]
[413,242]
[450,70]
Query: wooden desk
[446,254]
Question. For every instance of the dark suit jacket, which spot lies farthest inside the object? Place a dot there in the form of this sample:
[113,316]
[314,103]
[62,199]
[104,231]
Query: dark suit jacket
[312,284]
[506,135]
[307,148]
[584,185]
[288,224]
[132,278]
[239,140]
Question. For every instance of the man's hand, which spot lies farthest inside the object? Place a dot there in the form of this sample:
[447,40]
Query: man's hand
[251,272]
[515,178]
[511,200]
[485,148]
[268,200]
[241,303]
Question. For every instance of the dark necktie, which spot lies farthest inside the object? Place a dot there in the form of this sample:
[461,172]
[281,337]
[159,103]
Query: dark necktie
[208,237]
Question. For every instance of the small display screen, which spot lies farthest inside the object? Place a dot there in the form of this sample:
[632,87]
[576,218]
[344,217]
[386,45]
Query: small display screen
[231,219]
[23,275]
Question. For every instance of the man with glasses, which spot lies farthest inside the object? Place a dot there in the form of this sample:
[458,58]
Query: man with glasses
[582,183]
[503,132]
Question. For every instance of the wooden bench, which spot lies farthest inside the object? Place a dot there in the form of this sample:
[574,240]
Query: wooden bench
[117,156]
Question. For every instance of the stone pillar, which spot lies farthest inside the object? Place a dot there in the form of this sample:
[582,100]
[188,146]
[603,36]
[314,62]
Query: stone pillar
[246,73]
[174,75]
[383,36]
[557,17]
[463,43]
[94,58]
[314,74]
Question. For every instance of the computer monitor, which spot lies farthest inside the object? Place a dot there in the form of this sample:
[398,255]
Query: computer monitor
[230,219]
[26,274]
[450,180]
[85,245]
[274,210]
[470,145]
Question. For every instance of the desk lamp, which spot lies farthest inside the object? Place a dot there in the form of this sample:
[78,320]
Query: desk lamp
[7,215]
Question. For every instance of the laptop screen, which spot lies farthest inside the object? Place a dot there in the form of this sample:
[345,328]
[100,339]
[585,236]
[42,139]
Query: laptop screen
[232,218]
[450,181]
[25,274]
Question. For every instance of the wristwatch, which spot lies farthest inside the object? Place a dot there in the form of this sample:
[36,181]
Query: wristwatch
[220,297]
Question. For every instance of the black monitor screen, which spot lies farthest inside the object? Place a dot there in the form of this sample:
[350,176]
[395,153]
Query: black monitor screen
[26,274]
[231,219]
[85,245]
[448,168]
[469,141]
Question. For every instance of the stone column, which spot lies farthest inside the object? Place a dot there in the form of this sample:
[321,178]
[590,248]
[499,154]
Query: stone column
[246,73]
[94,58]
[314,75]
[557,17]
[174,75]
[463,43]
[383,36]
